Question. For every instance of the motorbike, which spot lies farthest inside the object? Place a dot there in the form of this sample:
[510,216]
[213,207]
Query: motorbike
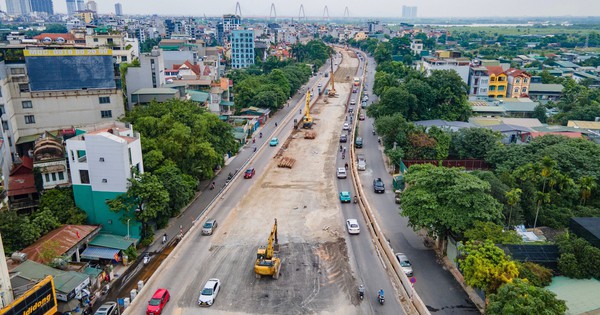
[361,292]
[212,186]
[260,135]
[230,176]
[146,259]
[381,298]
[373,132]
[355,200]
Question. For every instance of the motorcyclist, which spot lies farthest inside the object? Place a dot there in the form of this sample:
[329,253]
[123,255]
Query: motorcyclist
[164,240]
[361,290]
[380,295]
[355,199]
[260,135]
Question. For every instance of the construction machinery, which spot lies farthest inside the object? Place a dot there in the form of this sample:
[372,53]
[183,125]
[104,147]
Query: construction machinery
[307,122]
[267,262]
[332,90]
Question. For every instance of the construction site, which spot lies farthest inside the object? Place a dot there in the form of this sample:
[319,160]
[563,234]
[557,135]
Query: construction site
[298,189]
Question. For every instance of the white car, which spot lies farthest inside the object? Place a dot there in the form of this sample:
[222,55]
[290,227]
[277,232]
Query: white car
[320,85]
[405,264]
[346,126]
[352,226]
[341,172]
[209,293]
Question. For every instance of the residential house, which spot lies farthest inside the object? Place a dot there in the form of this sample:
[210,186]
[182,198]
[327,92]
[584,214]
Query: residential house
[124,49]
[150,73]
[416,46]
[49,158]
[69,242]
[478,82]
[102,160]
[55,39]
[461,66]
[518,83]
[498,82]
[147,95]
[587,125]
[545,92]
[22,193]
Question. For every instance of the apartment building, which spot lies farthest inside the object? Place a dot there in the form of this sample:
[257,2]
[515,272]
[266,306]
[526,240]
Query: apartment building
[518,83]
[102,160]
[124,49]
[460,65]
[150,73]
[242,48]
[498,84]
[479,81]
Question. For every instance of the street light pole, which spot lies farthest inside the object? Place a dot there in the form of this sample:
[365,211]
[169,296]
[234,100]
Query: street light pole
[127,237]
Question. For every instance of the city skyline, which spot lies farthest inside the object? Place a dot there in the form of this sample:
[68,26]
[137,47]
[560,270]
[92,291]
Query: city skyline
[374,8]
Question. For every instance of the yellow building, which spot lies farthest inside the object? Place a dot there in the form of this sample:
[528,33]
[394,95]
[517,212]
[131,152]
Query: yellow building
[360,36]
[518,83]
[498,82]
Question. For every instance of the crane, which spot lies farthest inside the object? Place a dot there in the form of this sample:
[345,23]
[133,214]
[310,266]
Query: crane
[332,90]
[267,262]
[307,122]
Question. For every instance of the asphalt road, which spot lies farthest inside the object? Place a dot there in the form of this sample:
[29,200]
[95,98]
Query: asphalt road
[436,286]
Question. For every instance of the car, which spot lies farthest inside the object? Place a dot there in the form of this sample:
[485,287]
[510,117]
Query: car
[354,90]
[320,85]
[343,138]
[345,196]
[358,143]
[346,126]
[361,162]
[249,173]
[274,142]
[351,109]
[378,185]
[352,226]
[365,98]
[209,227]
[341,172]
[108,308]
[353,102]
[361,117]
[327,74]
[158,301]
[209,293]
[405,264]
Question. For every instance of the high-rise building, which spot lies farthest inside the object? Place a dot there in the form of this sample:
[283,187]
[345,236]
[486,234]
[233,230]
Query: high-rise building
[42,6]
[409,12]
[118,9]
[242,48]
[80,5]
[71,7]
[18,7]
[91,6]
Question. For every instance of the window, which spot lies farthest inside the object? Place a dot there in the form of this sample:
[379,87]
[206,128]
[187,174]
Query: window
[106,113]
[61,175]
[516,90]
[53,177]
[95,40]
[2,110]
[524,90]
[17,70]
[84,176]
[9,141]
[124,58]
[27,104]
[24,87]
[104,99]
[4,125]
[47,177]
[525,80]
[517,80]
[29,119]
[104,180]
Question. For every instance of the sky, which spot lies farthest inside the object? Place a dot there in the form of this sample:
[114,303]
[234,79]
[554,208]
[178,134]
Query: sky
[356,8]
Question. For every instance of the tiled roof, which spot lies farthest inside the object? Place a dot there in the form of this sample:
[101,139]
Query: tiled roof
[496,70]
[189,65]
[21,180]
[64,238]
[55,36]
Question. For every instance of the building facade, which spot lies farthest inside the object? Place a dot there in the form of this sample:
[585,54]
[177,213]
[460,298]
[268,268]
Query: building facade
[242,48]
[416,47]
[80,5]
[518,83]
[18,7]
[102,160]
[409,12]
[118,9]
[479,81]
[42,6]
[498,85]
[124,49]
[91,6]
[71,7]
[460,65]
[150,73]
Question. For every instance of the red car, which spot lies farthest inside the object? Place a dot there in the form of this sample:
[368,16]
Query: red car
[158,302]
[249,173]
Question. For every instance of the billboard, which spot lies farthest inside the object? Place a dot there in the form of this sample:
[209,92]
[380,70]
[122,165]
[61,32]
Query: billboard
[70,69]
[39,300]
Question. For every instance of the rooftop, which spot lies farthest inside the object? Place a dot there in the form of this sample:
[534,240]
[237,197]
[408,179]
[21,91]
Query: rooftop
[541,87]
[62,239]
[155,91]
[64,281]
[593,125]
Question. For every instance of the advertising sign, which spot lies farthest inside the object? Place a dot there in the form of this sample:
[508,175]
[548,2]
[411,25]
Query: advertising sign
[39,300]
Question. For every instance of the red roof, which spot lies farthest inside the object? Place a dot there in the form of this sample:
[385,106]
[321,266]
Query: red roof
[206,71]
[516,72]
[20,181]
[496,70]
[55,36]
[194,68]
[62,239]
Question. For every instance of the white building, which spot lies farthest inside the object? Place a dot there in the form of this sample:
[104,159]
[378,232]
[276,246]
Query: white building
[150,73]
[124,49]
[101,162]
[460,65]
[416,46]
[479,82]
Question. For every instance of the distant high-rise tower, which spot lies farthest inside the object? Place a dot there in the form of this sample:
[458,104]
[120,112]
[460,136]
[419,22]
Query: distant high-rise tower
[91,5]
[42,6]
[118,9]
[71,7]
[80,5]
[409,12]
[18,7]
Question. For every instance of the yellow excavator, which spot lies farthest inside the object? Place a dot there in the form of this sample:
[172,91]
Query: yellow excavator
[332,90]
[307,122]
[267,262]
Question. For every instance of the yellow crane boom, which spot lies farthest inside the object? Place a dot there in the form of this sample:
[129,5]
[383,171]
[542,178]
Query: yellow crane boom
[267,264]
[307,122]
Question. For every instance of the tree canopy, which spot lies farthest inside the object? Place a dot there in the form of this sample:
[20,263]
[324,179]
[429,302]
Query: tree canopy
[521,298]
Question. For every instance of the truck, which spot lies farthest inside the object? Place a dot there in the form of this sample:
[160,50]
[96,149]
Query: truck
[361,162]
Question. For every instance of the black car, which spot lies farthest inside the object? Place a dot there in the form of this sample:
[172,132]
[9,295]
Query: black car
[343,138]
[378,186]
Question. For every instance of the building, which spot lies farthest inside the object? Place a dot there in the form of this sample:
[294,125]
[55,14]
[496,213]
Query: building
[545,92]
[409,12]
[416,46]
[478,82]
[91,6]
[375,27]
[518,83]
[460,65]
[242,48]
[80,5]
[231,22]
[118,9]
[498,84]
[160,95]
[102,160]
[150,73]
[18,7]
[42,6]
[71,7]
[49,159]
[124,49]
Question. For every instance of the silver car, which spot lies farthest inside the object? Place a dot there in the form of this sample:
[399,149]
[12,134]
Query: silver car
[405,264]
[209,227]
[108,308]
[341,172]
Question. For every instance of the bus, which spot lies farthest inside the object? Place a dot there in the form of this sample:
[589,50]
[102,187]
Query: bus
[356,81]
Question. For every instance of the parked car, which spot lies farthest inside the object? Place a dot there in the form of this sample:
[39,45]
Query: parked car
[345,196]
[158,301]
[353,102]
[354,90]
[405,264]
[274,142]
[343,138]
[209,227]
[209,293]
[352,226]
[320,85]
[378,185]
[361,117]
[341,172]
[249,173]
[346,126]
[108,308]
[358,143]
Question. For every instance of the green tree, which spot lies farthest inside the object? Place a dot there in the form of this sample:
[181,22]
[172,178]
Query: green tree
[485,266]
[444,200]
[45,221]
[473,143]
[181,187]
[513,197]
[537,275]
[482,231]
[61,203]
[396,155]
[522,298]
[443,140]
[587,185]
[539,112]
